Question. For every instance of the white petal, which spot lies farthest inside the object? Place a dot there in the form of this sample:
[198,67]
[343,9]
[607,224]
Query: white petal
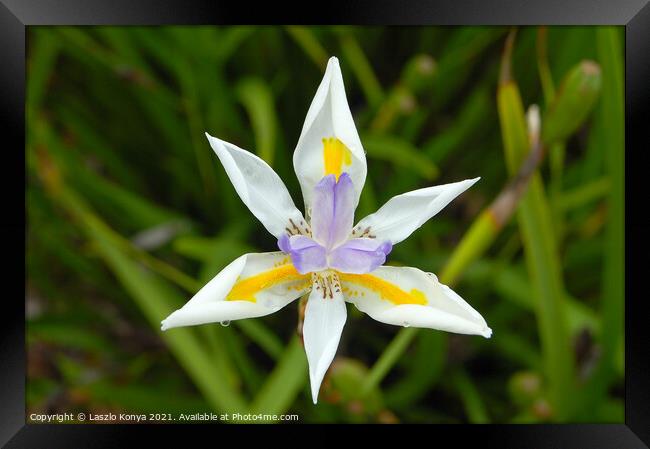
[405,296]
[405,213]
[259,187]
[324,321]
[266,281]
[328,116]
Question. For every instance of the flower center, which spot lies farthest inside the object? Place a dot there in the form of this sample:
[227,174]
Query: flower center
[327,283]
[333,243]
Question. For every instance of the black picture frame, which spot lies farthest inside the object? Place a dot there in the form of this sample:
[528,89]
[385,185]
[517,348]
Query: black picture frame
[16,15]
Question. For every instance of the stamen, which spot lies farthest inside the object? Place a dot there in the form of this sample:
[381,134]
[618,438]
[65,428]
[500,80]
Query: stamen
[365,233]
[294,226]
[294,229]
[327,282]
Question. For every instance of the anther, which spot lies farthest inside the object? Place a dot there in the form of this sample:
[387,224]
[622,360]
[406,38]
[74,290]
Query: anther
[294,226]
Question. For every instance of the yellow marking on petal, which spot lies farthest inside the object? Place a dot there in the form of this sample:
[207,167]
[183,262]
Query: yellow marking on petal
[386,290]
[417,294]
[246,289]
[335,155]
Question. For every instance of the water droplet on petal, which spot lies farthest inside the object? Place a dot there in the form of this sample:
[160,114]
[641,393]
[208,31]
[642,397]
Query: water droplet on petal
[406,324]
[225,323]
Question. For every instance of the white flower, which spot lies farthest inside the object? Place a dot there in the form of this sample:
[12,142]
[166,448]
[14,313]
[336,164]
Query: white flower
[323,254]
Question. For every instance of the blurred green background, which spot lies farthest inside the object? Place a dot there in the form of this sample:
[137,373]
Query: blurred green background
[129,213]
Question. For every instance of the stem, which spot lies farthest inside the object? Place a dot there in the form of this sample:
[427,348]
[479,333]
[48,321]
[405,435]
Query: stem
[474,406]
[310,45]
[361,68]
[284,383]
[154,299]
[545,76]
[473,245]
[613,296]
[540,247]
[388,358]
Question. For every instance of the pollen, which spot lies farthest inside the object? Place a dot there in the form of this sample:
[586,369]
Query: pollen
[335,156]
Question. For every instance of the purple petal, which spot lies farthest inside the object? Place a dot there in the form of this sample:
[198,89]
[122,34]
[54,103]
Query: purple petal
[306,254]
[332,212]
[359,256]
[283,243]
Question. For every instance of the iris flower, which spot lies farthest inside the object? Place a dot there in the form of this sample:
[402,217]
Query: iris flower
[322,253]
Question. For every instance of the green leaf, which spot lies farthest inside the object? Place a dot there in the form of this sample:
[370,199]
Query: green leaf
[257,99]
[284,383]
[613,113]
[64,334]
[469,394]
[310,44]
[361,67]
[572,103]
[156,299]
[400,153]
[144,399]
[611,110]
[43,56]
[540,249]
[425,369]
